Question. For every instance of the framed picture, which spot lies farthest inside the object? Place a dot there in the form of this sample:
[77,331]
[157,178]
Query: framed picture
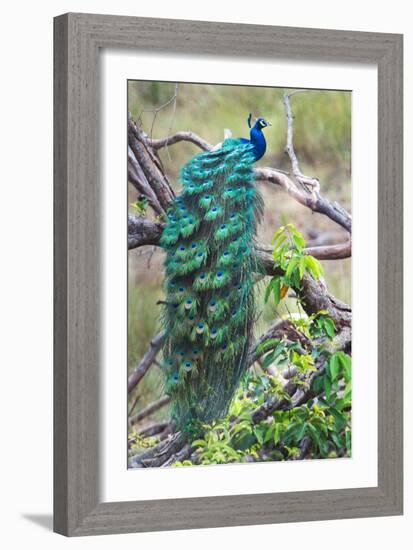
[228,274]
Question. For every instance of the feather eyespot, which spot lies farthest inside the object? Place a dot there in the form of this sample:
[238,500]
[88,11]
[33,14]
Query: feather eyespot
[188,365]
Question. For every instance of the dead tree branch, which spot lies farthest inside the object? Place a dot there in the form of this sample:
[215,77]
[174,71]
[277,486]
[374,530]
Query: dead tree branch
[177,138]
[142,231]
[289,149]
[150,409]
[147,360]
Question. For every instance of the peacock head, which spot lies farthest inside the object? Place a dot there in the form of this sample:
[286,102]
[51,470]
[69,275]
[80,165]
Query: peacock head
[260,123]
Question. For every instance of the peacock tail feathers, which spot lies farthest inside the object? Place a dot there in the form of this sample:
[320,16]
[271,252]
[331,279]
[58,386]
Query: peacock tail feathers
[209,266]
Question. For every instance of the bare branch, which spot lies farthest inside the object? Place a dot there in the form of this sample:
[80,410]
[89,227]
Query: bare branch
[142,231]
[289,149]
[150,409]
[316,203]
[150,164]
[330,252]
[158,455]
[147,360]
[178,137]
[154,429]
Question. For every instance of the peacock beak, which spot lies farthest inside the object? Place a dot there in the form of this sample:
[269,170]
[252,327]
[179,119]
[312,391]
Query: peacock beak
[269,123]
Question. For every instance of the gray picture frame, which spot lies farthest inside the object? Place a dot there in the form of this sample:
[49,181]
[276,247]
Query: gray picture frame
[78,39]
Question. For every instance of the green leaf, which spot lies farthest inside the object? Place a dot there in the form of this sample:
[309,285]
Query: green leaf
[329,327]
[314,267]
[335,367]
[336,440]
[268,290]
[277,433]
[267,344]
[302,266]
[291,266]
[299,241]
[268,360]
[348,441]
[327,387]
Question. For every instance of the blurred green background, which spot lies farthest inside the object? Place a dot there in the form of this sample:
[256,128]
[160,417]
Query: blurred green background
[322,141]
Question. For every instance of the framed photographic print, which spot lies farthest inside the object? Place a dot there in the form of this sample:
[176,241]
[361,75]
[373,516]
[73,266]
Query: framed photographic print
[228,274]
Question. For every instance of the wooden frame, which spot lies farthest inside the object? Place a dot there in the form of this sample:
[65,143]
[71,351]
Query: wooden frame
[78,39]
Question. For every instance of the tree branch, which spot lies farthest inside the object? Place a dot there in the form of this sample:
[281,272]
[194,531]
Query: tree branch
[178,137]
[147,360]
[150,409]
[289,149]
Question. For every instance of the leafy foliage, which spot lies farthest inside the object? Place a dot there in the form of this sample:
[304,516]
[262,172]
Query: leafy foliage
[323,424]
[289,255]
[319,428]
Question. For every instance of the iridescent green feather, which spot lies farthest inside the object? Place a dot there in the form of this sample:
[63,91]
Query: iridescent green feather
[210,265]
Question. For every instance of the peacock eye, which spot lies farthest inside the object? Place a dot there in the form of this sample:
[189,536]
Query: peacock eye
[226,253]
[200,254]
[193,245]
[202,276]
[219,274]
[223,226]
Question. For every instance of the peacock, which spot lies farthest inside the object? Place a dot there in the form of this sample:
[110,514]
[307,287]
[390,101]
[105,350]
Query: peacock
[210,268]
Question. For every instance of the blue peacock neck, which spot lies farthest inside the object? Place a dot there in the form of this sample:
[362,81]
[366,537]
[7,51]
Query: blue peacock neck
[257,139]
